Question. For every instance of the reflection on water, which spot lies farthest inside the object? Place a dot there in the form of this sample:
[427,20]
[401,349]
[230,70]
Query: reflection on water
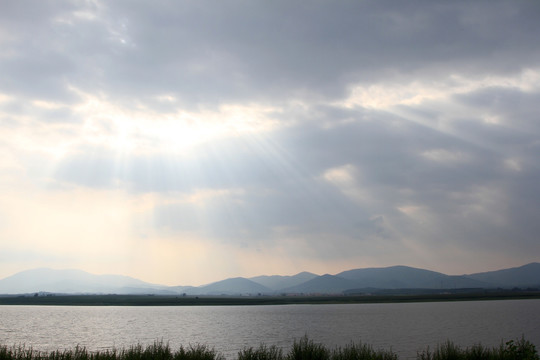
[404,328]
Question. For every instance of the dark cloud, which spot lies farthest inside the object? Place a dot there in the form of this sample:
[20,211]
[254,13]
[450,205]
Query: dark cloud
[208,53]
[515,108]
[462,189]
[456,169]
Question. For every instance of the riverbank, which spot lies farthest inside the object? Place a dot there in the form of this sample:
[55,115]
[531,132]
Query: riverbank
[167,300]
[303,349]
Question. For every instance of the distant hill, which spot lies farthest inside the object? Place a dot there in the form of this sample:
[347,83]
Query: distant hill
[76,282]
[395,277]
[405,277]
[278,282]
[526,275]
[234,286]
[391,277]
[366,280]
[181,289]
[325,284]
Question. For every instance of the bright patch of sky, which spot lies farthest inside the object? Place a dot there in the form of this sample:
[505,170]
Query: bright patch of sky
[185,142]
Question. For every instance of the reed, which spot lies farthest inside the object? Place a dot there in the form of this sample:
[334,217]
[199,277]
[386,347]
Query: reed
[263,352]
[362,352]
[520,349]
[302,349]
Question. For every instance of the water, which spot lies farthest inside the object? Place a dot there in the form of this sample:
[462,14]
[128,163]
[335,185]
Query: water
[404,328]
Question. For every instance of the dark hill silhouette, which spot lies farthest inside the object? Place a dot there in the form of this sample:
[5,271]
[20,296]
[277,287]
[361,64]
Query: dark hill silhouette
[393,277]
[405,277]
[233,286]
[325,284]
[278,282]
[526,275]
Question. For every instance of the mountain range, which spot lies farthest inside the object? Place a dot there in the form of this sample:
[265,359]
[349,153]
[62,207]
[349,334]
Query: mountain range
[365,280]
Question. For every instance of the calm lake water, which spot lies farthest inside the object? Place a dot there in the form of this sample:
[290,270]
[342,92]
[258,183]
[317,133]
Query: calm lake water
[404,328]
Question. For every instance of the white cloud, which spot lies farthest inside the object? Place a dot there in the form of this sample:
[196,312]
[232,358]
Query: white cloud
[341,176]
[513,164]
[319,137]
[446,157]
[385,95]
[346,178]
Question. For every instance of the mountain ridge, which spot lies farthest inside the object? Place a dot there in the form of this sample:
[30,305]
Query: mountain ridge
[278,282]
[75,281]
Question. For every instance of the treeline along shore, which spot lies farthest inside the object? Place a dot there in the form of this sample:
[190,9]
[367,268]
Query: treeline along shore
[303,349]
[170,300]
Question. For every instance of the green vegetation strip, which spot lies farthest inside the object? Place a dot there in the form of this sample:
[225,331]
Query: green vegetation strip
[304,349]
[169,300]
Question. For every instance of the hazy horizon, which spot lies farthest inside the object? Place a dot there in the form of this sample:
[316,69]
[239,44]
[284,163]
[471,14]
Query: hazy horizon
[186,142]
[36,271]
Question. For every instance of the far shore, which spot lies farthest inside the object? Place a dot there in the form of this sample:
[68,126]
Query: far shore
[179,300]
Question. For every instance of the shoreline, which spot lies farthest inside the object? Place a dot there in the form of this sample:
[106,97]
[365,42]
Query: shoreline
[172,300]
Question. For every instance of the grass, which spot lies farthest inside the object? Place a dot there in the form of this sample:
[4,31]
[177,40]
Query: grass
[511,350]
[157,351]
[262,353]
[303,349]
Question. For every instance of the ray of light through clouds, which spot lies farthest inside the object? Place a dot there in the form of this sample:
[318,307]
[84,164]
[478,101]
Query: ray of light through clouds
[182,142]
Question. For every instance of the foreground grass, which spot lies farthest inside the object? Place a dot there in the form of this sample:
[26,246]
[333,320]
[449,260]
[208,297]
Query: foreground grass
[511,350]
[303,349]
[158,351]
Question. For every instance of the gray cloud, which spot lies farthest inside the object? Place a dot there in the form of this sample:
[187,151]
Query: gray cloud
[208,53]
[464,190]
[455,171]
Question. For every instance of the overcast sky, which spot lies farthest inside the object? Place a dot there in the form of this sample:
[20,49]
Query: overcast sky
[184,142]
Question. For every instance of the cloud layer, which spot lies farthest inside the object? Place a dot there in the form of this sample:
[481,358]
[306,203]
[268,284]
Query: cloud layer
[181,141]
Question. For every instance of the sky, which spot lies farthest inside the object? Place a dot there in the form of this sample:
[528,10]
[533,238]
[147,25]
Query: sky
[185,142]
